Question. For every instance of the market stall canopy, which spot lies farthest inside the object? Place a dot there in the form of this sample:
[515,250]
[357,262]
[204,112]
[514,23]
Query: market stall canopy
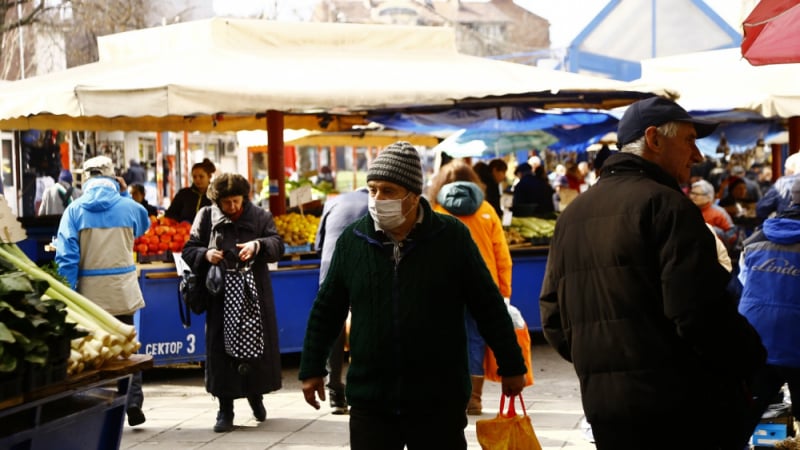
[573,130]
[770,33]
[751,102]
[721,80]
[225,74]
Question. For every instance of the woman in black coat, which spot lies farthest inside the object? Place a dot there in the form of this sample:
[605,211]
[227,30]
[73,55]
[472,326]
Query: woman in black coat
[188,201]
[234,229]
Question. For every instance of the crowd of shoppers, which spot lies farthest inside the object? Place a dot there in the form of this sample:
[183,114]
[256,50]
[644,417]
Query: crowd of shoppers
[652,282]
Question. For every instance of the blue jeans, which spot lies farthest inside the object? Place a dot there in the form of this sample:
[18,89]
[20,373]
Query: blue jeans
[476,346]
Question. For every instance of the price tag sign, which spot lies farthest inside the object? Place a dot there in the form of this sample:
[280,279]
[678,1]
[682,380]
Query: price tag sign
[300,196]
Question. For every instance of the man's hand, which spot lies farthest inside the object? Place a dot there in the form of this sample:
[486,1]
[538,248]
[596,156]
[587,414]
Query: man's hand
[123,186]
[315,385]
[513,385]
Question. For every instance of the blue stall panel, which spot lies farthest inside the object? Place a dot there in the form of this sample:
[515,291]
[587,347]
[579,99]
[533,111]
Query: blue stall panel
[158,324]
[294,290]
[527,274]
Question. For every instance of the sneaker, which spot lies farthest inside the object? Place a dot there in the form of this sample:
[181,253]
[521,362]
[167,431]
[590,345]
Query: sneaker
[135,416]
[338,401]
[224,423]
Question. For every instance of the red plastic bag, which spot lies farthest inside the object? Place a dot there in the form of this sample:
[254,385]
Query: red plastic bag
[508,431]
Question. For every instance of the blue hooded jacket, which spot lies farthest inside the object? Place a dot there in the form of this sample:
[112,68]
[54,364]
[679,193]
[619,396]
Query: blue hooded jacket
[770,276]
[94,249]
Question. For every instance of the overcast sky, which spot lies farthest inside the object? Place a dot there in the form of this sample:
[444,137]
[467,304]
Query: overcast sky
[567,17]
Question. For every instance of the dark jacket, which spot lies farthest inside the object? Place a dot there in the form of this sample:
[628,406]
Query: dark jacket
[136,174]
[186,204]
[777,198]
[407,337]
[532,196]
[223,378]
[151,210]
[634,296]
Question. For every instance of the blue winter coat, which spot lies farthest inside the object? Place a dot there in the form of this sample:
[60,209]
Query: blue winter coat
[94,248]
[770,276]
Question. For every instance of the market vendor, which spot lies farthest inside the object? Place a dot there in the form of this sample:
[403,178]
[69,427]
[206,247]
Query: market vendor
[533,195]
[190,199]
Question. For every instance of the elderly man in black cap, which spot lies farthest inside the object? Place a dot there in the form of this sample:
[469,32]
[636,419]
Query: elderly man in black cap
[408,274]
[633,295]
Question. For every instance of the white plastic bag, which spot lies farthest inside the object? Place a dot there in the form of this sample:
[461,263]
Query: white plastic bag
[516,316]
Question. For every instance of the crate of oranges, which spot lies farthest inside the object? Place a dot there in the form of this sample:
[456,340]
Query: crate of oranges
[164,237]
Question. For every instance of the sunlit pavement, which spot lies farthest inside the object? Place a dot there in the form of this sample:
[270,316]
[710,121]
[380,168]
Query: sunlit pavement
[180,414]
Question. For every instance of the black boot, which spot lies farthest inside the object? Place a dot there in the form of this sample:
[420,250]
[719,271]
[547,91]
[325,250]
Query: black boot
[257,403]
[224,416]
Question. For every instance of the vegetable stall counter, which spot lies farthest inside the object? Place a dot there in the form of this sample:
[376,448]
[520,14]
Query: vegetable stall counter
[158,324]
[82,412]
[294,284]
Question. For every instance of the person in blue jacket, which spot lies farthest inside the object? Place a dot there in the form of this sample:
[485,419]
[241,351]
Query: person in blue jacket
[94,252]
[770,277]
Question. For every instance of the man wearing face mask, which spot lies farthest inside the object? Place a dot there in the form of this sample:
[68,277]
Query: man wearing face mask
[407,274]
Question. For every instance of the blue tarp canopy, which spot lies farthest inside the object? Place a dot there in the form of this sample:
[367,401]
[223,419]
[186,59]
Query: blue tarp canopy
[577,129]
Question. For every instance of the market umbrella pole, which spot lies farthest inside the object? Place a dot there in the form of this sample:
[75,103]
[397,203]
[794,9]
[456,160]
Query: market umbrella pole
[275,161]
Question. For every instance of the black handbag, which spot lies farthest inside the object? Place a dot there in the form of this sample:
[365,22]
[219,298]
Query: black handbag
[215,279]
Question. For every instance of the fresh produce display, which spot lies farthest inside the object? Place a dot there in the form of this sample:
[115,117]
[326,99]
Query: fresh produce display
[514,237]
[534,228]
[297,229]
[34,331]
[95,335]
[164,235]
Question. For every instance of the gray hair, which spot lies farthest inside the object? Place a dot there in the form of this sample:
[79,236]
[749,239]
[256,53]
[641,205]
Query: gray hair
[792,164]
[669,129]
[705,187]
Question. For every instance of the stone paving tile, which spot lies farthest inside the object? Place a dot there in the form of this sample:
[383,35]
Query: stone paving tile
[180,414]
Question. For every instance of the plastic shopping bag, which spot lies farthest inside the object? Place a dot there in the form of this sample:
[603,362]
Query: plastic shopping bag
[524,341]
[508,430]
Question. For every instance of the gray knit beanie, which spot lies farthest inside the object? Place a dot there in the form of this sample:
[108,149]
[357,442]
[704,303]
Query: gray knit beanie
[398,163]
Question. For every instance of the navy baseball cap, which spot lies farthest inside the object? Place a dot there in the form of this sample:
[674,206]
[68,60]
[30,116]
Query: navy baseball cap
[654,112]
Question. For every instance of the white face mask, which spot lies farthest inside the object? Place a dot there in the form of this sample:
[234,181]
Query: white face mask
[388,214]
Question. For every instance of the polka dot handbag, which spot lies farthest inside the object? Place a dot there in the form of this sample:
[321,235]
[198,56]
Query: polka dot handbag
[241,314]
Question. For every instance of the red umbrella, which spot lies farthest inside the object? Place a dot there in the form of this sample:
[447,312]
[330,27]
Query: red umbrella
[771,33]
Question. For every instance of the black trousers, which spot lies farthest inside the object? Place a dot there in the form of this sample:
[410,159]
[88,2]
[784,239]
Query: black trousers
[134,391]
[767,384]
[417,430]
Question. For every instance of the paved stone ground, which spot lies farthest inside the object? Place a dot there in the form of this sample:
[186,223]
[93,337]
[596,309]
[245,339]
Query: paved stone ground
[180,414]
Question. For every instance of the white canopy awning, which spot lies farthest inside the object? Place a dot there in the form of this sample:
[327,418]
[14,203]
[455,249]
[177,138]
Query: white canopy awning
[722,80]
[225,74]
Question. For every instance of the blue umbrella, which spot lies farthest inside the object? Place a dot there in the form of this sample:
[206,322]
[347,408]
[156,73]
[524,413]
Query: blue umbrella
[469,143]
